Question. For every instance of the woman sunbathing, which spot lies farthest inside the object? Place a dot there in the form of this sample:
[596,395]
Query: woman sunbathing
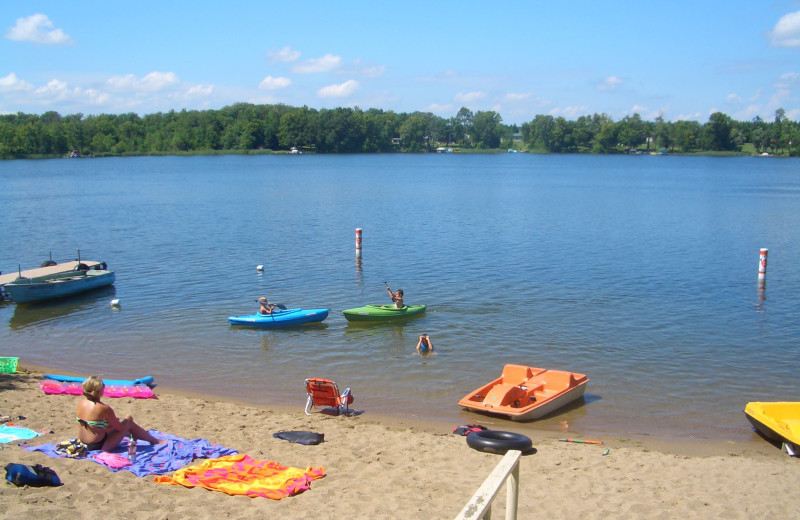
[98,426]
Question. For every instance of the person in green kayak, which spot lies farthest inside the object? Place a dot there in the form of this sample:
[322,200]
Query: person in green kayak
[397,297]
[266,307]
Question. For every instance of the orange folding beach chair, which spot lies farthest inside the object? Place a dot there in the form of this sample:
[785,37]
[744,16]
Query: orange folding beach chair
[324,392]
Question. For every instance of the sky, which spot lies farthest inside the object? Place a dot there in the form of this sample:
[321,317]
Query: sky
[680,60]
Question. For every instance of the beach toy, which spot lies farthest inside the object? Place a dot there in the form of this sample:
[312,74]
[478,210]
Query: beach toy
[147,380]
[8,365]
[495,441]
[580,441]
[51,387]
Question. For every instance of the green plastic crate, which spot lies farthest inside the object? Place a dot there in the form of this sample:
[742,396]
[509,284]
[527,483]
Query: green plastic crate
[8,365]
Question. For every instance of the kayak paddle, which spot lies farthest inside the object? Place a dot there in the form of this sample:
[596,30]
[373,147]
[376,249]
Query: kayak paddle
[278,305]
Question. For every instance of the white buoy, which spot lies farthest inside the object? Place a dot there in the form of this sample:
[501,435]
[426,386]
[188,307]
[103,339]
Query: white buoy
[358,242]
[115,303]
[762,265]
[259,267]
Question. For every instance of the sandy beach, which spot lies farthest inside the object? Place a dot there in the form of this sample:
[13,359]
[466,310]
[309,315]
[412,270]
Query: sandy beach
[381,468]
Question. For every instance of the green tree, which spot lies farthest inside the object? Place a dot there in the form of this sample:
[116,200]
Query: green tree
[718,132]
[607,139]
[297,128]
[486,129]
[414,133]
[462,127]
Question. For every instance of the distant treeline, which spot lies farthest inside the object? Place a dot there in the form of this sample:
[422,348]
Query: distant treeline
[246,127]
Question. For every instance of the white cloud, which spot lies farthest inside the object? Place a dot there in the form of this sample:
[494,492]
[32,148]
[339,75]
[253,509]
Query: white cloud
[35,29]
[151,82]
[12,83]
[733,98]
[569,112]
[513,96]
[338,91]
[779,98]
[373,71]
[609,83]
[285,55]
[199,91]
[436,108]
[748,113]
[786,32]
[323,64]
[159,80]
[757,95]
[127,82]
[270,83]
[96,97]
[53,87]
[469,97]
[788,81]
[638,109]
[59,92]
[687,117]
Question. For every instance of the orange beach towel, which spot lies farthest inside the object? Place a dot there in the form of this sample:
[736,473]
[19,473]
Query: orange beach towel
[243,475]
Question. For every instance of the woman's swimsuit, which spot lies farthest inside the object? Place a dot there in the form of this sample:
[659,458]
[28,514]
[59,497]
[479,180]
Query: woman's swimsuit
[97,424]
[97,445]
[103,424]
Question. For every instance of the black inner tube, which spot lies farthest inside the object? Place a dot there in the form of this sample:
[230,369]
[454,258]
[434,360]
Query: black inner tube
[495,441]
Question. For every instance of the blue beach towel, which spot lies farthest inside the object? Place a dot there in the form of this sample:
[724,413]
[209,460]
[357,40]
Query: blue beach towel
[157,459]
[12,432]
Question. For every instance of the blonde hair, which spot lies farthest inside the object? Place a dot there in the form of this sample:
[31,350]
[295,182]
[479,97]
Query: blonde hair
[93,388]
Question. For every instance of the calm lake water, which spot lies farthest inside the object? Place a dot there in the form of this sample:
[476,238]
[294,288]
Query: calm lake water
[640,271]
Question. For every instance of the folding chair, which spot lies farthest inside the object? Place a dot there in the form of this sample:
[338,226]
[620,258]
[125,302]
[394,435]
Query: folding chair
[324,392]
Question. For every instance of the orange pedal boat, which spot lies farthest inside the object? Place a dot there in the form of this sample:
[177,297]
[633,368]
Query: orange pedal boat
[525,393]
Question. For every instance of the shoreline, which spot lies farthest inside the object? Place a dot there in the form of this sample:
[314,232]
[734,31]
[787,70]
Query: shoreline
[692,446]
[456,150]
[377,469]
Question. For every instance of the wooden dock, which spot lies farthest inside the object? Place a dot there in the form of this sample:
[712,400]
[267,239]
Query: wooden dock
[44,271]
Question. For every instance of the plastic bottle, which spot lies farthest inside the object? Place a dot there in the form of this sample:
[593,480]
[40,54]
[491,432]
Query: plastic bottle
[132,449]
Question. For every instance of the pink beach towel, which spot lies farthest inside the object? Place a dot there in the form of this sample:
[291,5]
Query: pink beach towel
[112,460]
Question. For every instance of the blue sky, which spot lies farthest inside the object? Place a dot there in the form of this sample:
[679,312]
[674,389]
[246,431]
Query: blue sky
[679,59]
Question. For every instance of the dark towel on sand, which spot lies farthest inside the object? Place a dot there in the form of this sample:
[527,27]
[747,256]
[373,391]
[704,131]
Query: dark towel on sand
[300,437]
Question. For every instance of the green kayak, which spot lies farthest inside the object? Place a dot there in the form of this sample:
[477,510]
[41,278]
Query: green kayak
[383,312]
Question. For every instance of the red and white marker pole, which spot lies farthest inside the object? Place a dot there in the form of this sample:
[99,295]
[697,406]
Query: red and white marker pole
[762,266]
[358,242]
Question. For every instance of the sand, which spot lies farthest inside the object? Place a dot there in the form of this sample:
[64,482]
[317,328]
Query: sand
[377,468]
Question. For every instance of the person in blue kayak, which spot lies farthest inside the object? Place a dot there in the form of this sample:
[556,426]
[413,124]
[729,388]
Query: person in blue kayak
[266,307]
[424,345]
[397,297]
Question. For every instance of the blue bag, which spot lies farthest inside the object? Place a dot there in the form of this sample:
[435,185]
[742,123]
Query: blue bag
[38,475]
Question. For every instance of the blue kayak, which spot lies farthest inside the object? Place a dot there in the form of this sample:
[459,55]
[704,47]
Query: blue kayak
[280,318]
[147,380]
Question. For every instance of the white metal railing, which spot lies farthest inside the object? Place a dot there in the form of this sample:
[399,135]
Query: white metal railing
[480,505]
